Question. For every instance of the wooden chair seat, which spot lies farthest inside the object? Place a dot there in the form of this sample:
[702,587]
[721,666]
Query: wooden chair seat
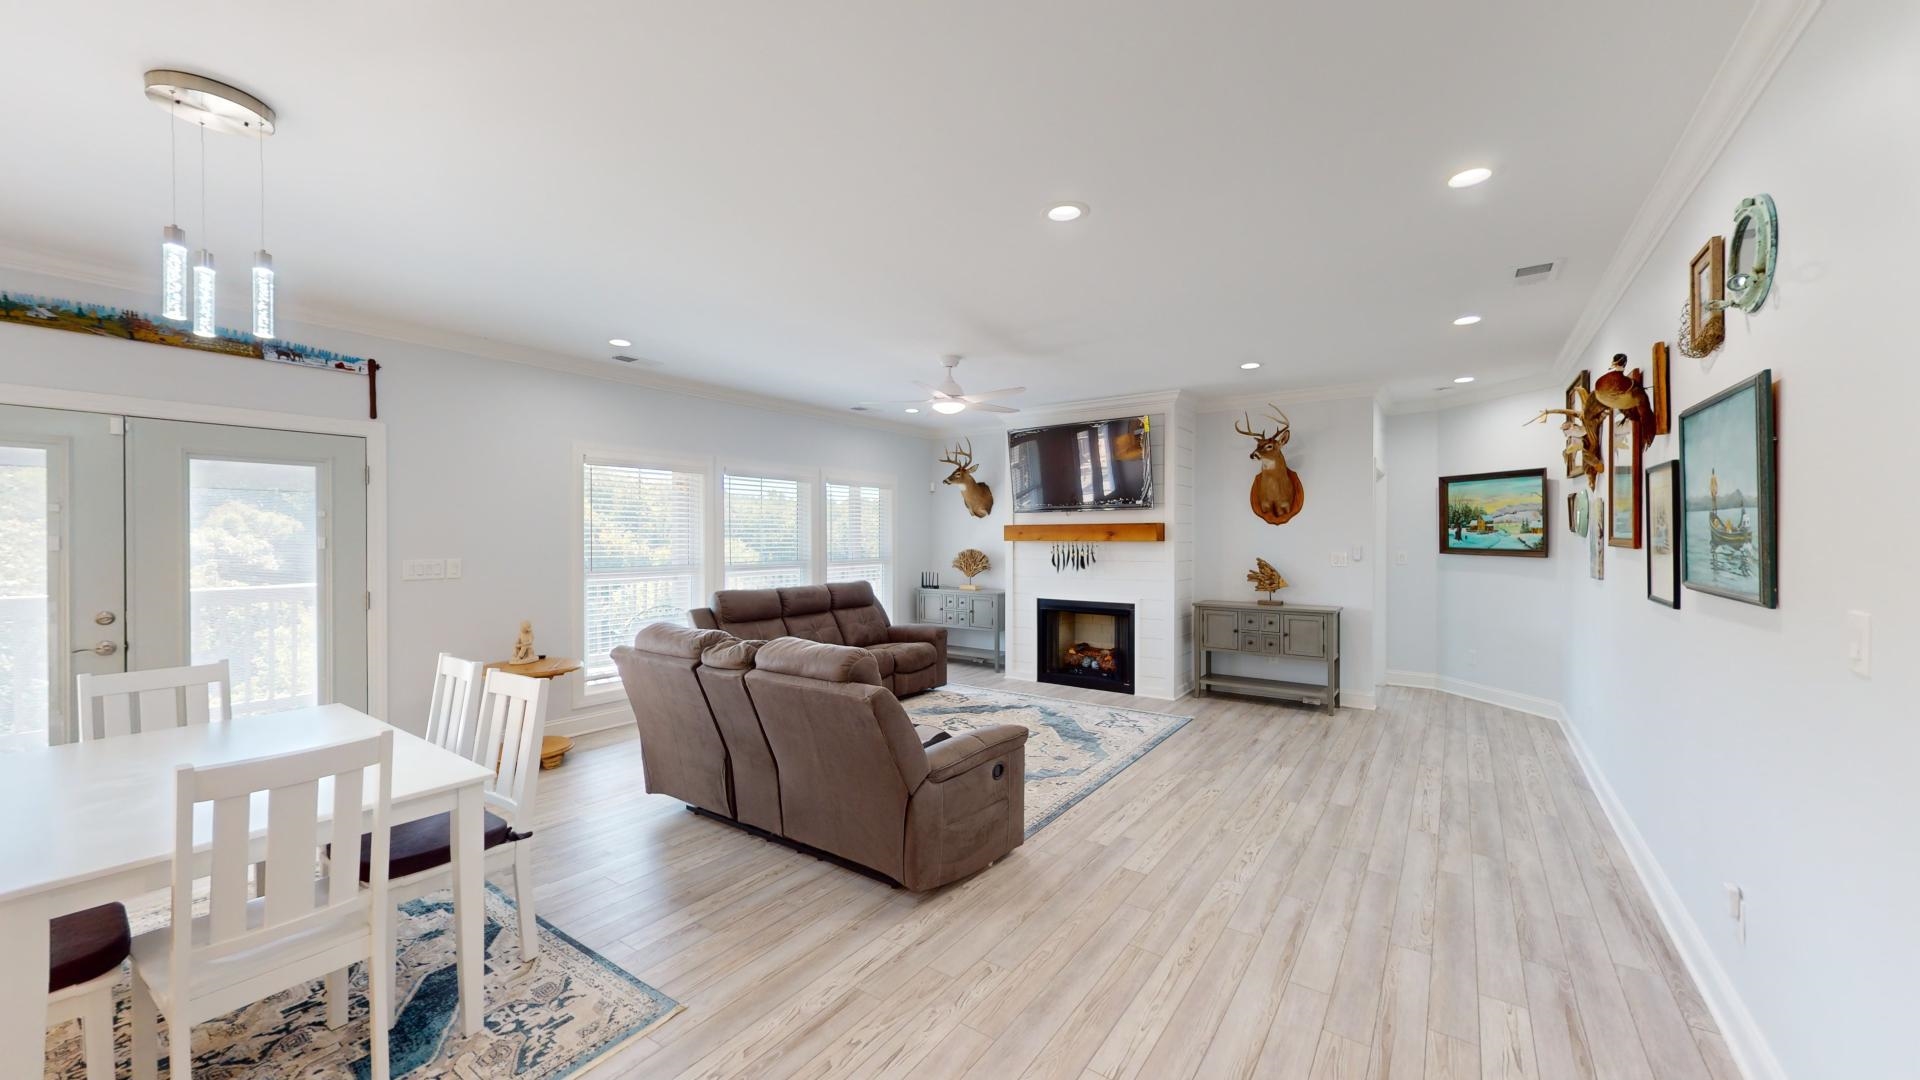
[87,944]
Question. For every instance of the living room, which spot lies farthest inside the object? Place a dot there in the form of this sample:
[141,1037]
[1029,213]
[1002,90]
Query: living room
[1090,542]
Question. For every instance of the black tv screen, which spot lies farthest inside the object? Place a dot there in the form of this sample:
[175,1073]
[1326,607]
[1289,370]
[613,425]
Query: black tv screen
[1102,465]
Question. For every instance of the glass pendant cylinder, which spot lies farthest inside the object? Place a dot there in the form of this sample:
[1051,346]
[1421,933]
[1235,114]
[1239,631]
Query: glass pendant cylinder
[203,294]
[262,295]
[173,274]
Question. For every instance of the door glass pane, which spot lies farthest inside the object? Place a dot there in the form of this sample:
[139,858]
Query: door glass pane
[26,619]
[253,562]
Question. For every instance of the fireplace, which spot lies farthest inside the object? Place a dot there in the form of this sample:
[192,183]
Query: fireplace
[1088,644]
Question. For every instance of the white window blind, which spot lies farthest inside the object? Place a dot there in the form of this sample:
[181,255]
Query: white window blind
[642,554]
[860,536]
[766,528]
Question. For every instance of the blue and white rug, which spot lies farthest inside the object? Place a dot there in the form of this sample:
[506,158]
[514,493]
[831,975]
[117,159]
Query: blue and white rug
[1075,746]
[545,1020]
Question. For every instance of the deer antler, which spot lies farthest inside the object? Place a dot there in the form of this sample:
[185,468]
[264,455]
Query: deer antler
[1280,418]
[958,458]
[1246,428]
[1544,413]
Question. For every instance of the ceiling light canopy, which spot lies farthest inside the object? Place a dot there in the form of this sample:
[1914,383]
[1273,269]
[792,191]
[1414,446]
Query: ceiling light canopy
[1469,177]
[1466,320]
[619,342]
[1464,379]
[1072,211]
[949,407]
[212,104]
[1250,365]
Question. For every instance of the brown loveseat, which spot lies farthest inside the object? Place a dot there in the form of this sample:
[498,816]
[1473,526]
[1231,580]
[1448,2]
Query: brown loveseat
[800,740]
[910,658]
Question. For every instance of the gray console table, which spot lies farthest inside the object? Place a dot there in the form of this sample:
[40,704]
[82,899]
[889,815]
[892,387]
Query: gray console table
[967,609]
[1285,631]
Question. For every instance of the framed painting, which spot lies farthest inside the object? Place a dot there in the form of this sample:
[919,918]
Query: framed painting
[1728,529]
[1707,287]
[1577,513]
[1623,482]
[1494,513]
[1583,383]
[1663,534]
[1658,392]
[1597,540]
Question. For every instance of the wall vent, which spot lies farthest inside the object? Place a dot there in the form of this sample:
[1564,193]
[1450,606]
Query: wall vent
[626,359]
[1537,273]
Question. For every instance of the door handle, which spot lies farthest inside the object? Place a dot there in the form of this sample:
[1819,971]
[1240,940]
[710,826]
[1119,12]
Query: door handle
[101,648]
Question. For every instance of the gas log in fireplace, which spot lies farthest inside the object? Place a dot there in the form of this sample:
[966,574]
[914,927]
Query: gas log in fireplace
[1083,643]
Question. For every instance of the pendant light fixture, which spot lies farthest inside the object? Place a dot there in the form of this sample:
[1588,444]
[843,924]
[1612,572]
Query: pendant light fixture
[228,111]
[173,242]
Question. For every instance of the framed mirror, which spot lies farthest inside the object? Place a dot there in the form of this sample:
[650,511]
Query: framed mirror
[1750,254]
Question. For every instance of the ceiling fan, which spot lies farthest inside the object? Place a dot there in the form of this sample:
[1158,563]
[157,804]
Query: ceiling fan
[948,398]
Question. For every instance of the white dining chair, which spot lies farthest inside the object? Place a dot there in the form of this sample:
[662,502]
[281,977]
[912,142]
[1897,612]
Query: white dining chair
[89,950]
[452,715]
[307,926]
[511,720]
[134,701]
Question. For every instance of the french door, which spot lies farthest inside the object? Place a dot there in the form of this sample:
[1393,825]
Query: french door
[129,543]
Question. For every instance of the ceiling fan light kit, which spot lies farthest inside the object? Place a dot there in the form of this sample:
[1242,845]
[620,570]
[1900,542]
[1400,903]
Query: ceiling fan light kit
[948,398]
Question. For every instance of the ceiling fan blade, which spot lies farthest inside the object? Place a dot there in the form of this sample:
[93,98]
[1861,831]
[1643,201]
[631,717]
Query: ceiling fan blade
[1005,391]
[902,401]
[981,406]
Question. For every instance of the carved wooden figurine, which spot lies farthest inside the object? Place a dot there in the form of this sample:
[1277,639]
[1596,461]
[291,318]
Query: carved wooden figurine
[1277,493]
[523,648]
[1267,580]
[971,562]
[977,496]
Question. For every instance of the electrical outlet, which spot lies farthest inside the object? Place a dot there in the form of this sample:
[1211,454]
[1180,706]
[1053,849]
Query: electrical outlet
[423,570]
[453,568]
[1860,643]
[1399,558]
[1339,558]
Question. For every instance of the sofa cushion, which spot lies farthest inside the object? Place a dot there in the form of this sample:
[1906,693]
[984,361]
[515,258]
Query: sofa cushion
[804,600]
[746,605]
[865,625]
[816,626]
[906,655]
[851,594]
[818,660]
[883,661]
[731,655]
[670,640]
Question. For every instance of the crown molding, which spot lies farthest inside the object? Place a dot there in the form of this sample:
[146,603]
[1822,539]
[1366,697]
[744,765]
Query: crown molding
[1097,408]
[84,272]
[1247,402]
[1758,50]
[1479,394]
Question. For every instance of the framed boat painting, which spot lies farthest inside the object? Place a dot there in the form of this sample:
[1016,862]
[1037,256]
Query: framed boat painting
[1494,513]
[1623,482]
[1663,534]
[1728,529]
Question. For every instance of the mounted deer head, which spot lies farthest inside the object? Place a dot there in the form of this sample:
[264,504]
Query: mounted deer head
[977,496]
[1277,494]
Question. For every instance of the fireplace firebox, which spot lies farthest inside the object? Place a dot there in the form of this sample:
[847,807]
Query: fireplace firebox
[1083,643]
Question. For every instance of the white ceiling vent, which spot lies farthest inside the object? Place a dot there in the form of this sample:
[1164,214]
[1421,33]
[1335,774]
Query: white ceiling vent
[1537,273]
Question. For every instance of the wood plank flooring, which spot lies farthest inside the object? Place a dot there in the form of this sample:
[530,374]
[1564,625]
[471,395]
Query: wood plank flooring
[1426,890]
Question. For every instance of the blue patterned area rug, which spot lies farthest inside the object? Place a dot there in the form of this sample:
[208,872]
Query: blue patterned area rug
[550,1019]
[1075,746]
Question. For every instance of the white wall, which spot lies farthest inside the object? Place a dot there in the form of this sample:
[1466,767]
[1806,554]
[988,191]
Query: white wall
[1732,740]
[481,466]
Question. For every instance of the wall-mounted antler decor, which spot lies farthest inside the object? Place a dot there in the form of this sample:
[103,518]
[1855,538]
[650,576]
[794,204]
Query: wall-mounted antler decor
[1277,494]
[1586,425]
[977,496]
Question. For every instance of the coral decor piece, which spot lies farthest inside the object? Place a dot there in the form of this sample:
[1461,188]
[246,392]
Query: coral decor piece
[977,496]
[1277,494]
[1267,580]
[972,562]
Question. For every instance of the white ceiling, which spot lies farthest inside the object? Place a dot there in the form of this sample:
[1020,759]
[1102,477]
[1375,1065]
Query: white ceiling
[815,200]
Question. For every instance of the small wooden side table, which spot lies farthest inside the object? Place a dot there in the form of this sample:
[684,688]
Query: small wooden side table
[553,748]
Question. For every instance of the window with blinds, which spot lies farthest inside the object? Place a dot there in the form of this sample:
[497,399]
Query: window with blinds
[860,536]
[642,555]
[765,526]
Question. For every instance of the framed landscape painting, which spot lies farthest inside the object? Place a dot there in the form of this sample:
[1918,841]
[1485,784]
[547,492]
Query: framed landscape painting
[1663,534]
[1728,526]
[1495,513]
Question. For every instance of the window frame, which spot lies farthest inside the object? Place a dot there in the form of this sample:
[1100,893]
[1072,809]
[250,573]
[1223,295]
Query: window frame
[812,529]
[888,484]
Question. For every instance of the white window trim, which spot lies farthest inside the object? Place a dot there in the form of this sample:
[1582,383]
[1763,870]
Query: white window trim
[584,454]
[810,490]
[890,581]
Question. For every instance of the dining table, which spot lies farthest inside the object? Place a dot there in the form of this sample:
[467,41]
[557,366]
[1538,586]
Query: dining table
[93,822]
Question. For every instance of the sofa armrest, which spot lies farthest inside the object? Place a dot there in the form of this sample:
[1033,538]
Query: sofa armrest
[935,636]
[949,759]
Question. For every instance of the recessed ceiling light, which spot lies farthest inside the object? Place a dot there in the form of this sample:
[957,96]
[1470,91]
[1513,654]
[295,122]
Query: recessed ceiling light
[1469,177]
[913,410]
[1071,211]
[1249,365]
[1464,379]
[619,342]
[1466,320]
[949,407]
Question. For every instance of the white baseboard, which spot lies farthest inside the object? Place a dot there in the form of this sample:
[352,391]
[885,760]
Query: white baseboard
[1745,1041]
[1492,695]
[1356,699]
[587,721]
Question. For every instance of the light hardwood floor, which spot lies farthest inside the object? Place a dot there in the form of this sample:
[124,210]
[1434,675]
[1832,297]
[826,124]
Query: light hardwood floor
[1426,890]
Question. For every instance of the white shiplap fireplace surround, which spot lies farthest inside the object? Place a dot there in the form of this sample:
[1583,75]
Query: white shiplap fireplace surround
[1156,578]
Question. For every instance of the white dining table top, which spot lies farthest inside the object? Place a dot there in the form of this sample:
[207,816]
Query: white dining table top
[86,810]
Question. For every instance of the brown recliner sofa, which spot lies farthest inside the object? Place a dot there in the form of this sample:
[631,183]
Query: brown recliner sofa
[810,747]
[910,658]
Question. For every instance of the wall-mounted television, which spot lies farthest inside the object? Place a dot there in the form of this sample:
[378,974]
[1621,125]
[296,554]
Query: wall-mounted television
[1101,465]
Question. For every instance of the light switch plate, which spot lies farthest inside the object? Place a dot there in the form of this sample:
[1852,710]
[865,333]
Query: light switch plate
[423,570]
[453,568]
[1339,558]
[1860,643]
[1399,558]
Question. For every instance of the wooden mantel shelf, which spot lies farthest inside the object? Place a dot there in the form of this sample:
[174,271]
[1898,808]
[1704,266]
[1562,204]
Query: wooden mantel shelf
[1141,532]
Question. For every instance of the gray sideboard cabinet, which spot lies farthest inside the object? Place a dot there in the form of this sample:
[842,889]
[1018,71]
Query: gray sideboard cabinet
[967,609]
[1286,631]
